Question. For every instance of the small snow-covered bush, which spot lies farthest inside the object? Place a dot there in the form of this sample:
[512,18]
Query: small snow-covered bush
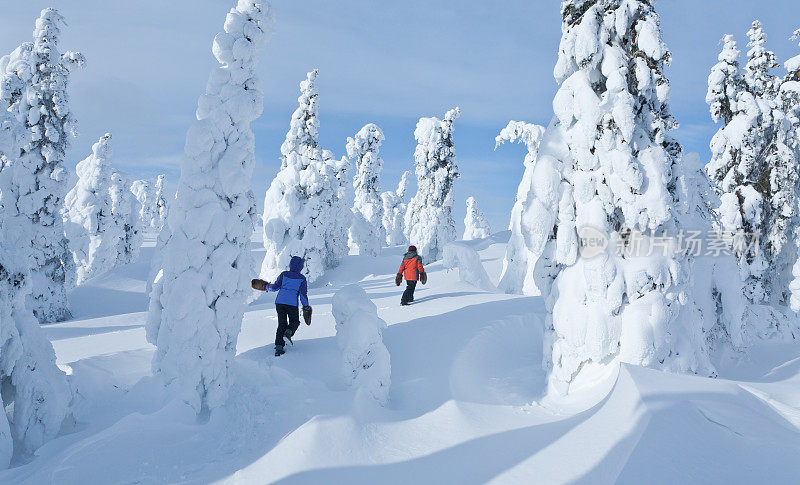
[394,210]
[468,261]
[366,233]
[429,221]
[475,224]
[359,335]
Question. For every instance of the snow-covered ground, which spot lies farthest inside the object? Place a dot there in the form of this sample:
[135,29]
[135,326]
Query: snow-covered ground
[466,403]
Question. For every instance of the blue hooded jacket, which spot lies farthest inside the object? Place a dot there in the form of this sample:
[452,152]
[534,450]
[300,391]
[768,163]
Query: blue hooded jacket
[291,284]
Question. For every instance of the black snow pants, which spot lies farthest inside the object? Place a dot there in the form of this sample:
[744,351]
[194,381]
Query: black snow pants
[408,295]
[288,317]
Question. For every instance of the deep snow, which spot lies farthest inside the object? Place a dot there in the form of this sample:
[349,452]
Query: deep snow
[466,402]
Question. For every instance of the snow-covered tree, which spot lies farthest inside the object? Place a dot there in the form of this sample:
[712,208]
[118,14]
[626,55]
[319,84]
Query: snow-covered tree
[525,244]
[96,220]
[125,210]
[725,82]
[789,136]
[367,234]
[34,85]
[607,172]
[101,215]
[429,221]
[35,392]
[161,209]
[753,172]
[152,203]
[199,294]
[717,291]
[475,223]
[305,211]
[760,80]
[394,210]
[144,192]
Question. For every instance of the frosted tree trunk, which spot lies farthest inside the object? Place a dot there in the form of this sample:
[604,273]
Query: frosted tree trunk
[429,221]
[35,80]
[198,296]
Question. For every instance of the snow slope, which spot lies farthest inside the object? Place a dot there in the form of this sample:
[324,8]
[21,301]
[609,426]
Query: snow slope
[466,402]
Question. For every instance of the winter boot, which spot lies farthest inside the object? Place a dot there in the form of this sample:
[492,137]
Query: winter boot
[279,350]
[288,335]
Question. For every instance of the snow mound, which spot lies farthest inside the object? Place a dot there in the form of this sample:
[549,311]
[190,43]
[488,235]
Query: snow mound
[470,269]
[482,374]
[359,335]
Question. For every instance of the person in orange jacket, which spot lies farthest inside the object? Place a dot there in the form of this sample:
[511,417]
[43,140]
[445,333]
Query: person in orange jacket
[411,270]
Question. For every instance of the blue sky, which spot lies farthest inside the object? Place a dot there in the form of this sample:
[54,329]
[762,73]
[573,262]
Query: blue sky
[383,62]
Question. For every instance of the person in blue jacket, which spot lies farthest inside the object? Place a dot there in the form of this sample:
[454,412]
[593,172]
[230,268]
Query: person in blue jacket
[290,286]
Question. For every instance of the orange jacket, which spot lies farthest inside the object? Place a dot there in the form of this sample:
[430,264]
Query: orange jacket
[411,268]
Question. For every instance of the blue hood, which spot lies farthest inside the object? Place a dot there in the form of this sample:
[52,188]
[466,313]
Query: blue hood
[296,264]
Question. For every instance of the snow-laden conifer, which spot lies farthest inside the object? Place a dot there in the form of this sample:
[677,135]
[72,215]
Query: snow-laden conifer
[527,238]
[761,82]
[607,172]
[161,209]
[34,85]
[367,235]
[97,215]
[305,212]
[152,202]
[35,395]
[429,221]
[475,224]
[725,82]
[198,296]
[144,192]
[394,210]
[754,175]
[125,210]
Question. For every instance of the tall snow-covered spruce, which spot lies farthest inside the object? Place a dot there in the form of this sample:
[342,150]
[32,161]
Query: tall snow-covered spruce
[429,221]
[394,210]
[35,391]
[305,211]
[475,224]
[101,219]
[34,85]
[367,233]
[755,175]
[606,171]
[199,294]
[528,235]
[789,97]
